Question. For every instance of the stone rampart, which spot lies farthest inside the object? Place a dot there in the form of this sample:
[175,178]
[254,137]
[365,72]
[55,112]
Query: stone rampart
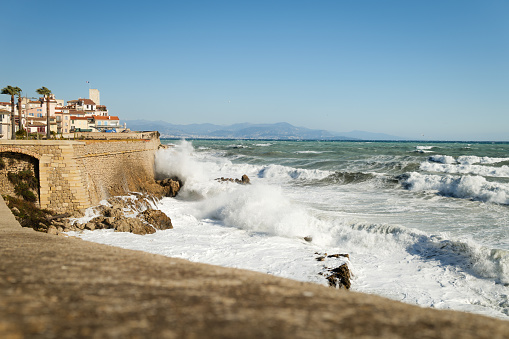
[74,175]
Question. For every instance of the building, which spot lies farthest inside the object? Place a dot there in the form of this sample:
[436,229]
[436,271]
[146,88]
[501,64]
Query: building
[78,115]
[5,123]
[105,124]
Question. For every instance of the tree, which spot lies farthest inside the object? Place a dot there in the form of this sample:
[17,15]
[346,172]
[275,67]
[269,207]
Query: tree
[12,91]
[20,123]
[46,92]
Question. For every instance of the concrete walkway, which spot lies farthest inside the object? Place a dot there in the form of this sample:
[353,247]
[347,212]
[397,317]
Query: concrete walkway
[57,287]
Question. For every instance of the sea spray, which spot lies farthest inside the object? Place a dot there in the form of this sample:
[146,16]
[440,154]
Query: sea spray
[435,239]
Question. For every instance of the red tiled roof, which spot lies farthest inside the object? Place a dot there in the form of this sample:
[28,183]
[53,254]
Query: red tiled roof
[88,102]
[99,117]
[79,118]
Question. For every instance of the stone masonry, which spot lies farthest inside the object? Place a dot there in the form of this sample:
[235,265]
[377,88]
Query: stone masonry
[74,175]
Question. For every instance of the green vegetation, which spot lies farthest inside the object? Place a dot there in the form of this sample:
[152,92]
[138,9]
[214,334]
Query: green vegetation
[29,215]
[21,134]
[47,93]
[12,91]
[2,164]
[24,182]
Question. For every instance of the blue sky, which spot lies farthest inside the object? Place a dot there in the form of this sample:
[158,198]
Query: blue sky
[416,69]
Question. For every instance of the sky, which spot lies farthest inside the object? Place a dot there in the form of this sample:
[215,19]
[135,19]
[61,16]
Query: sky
[436,70]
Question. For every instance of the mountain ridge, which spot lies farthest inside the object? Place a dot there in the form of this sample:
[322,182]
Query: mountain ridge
[276,131]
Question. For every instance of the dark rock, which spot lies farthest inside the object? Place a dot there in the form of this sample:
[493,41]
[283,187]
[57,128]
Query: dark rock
[243,181]
[340,277]
[338,256]
[308,238]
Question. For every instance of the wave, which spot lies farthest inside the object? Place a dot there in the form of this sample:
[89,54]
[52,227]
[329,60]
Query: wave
[478,260]
[465,187]
[312,152]
[424,149]
[466,160]
[345,178]
[284,173]
[485,171]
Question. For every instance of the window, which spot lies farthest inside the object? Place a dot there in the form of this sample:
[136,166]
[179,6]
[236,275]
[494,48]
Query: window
[39,110]
[39,115]
[66,118]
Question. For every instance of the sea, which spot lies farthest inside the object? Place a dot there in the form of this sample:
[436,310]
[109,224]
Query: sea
[425,223]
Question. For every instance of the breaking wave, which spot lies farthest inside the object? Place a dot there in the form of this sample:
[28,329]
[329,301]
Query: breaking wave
[465,187]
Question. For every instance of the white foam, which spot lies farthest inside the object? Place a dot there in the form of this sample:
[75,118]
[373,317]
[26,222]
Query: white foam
[451,168]
[261,227]
[466,187]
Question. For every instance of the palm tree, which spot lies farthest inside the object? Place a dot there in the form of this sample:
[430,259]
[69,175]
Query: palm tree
[46,92]
[20,123]
[12,91]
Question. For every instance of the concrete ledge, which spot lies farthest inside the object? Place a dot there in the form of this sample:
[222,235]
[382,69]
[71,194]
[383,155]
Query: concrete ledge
[57,287]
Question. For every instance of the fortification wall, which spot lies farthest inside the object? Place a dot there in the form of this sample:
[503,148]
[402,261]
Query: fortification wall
[115,167]
[75,175]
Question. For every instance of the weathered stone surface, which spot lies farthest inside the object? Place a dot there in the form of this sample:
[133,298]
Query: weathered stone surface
[171,186]
[157,218]
[54,287]
[133,225]
[52,230]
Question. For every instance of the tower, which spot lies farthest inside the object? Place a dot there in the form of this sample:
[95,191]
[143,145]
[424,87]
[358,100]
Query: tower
[94,95]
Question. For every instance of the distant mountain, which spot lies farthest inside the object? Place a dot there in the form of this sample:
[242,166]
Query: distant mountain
[279,131]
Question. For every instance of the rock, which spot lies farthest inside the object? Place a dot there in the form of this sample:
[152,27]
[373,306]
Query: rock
[308,238]
[338,256]
[171,186]
[52,230]
[90,226]
[245,180]
[15,210]
[133,225]
[157,218]
[340,277]
[108,221]
[116,212]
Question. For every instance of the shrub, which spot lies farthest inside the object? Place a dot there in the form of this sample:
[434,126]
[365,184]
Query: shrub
[24,182]
[28,214]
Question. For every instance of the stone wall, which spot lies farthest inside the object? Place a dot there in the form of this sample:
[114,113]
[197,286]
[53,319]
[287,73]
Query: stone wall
[74,175]
[115,167]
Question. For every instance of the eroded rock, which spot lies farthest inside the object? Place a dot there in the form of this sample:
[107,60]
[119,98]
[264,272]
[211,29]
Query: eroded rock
[171,186]
[157,219]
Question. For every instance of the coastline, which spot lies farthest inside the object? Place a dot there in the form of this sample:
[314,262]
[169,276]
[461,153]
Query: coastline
[53,286]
